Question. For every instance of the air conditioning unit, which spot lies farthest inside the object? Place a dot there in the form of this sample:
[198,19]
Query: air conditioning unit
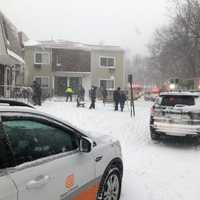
[111,69]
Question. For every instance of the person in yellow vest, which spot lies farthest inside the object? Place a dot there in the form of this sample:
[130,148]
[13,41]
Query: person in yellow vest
[69,93]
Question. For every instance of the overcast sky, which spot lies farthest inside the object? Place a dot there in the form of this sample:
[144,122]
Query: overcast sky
[127,23]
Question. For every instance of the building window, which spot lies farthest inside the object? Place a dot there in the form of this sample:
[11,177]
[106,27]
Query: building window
[43,81]
[107,62]
[42,58]
[107,84]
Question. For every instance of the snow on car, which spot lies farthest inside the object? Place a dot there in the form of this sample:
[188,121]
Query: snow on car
[160,171]
[42,157]
[175,114]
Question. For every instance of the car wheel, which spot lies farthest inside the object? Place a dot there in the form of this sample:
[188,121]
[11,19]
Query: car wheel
[110,186]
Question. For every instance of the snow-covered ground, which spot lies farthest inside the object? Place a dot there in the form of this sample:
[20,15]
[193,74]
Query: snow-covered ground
[153,171]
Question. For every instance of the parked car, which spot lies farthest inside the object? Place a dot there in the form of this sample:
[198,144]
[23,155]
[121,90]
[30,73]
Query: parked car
[175,114]
[42,158]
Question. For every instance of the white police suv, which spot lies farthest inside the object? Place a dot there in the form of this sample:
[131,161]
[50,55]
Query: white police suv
[44,158]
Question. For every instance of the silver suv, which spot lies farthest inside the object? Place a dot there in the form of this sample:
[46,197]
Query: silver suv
[175,114]
[44,158]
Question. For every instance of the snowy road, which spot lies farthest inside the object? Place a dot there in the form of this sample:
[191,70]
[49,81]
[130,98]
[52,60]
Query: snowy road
[153,171]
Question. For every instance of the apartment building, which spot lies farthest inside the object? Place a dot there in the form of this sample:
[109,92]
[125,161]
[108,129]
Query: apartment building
[58,64]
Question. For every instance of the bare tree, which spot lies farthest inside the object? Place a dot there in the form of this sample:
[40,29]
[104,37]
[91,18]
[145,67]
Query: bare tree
[175,48]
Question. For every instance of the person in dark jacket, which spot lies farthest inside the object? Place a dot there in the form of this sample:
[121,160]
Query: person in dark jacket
[34,85]
[81,93]
[123,99]
[92,97]
[37,93]
[116,98]
[104,94]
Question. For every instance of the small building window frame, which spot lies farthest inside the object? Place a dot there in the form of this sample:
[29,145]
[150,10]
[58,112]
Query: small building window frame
[111,89]
[107,66]
[42,53]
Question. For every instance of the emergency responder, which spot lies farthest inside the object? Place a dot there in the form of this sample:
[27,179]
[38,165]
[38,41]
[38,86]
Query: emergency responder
[69,93]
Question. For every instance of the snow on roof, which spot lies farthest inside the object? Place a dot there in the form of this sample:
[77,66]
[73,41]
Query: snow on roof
[179,94]
[12,26]
[64,44]
[31,43]
[105,47]
[27,110]
[15,56]
[6,108]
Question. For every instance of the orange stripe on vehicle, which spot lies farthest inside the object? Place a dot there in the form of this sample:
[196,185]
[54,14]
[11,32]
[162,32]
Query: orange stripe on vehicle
[69,182]
[89,193]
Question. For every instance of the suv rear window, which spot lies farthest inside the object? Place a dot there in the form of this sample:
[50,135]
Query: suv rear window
[175,100]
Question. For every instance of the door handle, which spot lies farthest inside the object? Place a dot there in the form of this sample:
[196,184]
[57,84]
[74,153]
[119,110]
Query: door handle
[98,158]
[38,182]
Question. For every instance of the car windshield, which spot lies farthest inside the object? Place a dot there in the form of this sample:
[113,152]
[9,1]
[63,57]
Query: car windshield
[177,100]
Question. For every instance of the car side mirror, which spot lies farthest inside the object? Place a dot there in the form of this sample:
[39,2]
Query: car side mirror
[85,145]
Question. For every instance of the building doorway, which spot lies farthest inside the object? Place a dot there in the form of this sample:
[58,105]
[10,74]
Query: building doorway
[75,83]
[61,83]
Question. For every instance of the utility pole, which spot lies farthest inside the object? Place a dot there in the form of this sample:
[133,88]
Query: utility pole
[130,80]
